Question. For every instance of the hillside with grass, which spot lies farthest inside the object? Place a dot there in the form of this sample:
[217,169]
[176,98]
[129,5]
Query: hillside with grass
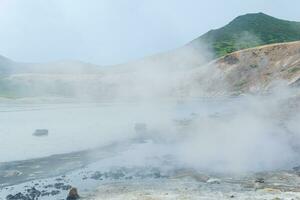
[247,31]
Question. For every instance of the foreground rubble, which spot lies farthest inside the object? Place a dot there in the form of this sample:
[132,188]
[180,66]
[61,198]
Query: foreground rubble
[147,183]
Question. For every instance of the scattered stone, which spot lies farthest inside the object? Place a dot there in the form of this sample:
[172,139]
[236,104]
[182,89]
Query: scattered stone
[40,132]
[97,175]
[18,196]
[49,186]
[54,192]
[59,179]
[62,186]
[31,194]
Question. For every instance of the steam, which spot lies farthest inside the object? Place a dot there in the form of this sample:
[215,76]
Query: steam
[245,134]
[252,138]
[185,103]
[246,40]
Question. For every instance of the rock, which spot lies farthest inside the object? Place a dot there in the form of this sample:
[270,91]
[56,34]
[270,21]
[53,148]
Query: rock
[213,181]
[259,183]
[62,186]
[12,173]
[297,168]
[18,196]
[54,192]
[40,132]
[31,194]
[140,127]
[259,180]
[73,194]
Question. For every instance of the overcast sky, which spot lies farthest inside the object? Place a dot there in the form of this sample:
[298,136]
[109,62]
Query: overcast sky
[116,31]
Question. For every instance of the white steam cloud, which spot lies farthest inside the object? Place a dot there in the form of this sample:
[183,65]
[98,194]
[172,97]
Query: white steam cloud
[166,92]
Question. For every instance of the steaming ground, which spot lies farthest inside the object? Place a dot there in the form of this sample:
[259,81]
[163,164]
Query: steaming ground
[210,148]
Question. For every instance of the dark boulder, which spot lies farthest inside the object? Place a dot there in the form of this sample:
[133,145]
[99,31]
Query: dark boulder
[73,194]
[41,132]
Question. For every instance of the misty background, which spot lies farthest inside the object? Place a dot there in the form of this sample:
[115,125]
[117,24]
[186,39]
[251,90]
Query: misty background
[114,31]
[166,92]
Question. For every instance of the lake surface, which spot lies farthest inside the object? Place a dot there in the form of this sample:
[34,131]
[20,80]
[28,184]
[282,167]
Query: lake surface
[79,126]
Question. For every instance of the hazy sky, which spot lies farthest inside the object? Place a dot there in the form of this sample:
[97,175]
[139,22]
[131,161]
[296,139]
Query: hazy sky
[114,31]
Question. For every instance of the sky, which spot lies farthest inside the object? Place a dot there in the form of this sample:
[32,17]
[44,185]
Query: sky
[108,32]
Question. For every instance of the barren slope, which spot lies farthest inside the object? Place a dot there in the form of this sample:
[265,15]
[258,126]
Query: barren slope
[257,69]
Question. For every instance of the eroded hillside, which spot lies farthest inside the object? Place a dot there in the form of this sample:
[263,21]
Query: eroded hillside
[257,69]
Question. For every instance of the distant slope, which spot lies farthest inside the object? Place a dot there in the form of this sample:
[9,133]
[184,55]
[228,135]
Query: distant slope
[6,65]
[247,31]
[59,67]
[258,69]
[63,78]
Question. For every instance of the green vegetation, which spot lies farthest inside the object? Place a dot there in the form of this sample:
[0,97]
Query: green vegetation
[294,70]
[250,30]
